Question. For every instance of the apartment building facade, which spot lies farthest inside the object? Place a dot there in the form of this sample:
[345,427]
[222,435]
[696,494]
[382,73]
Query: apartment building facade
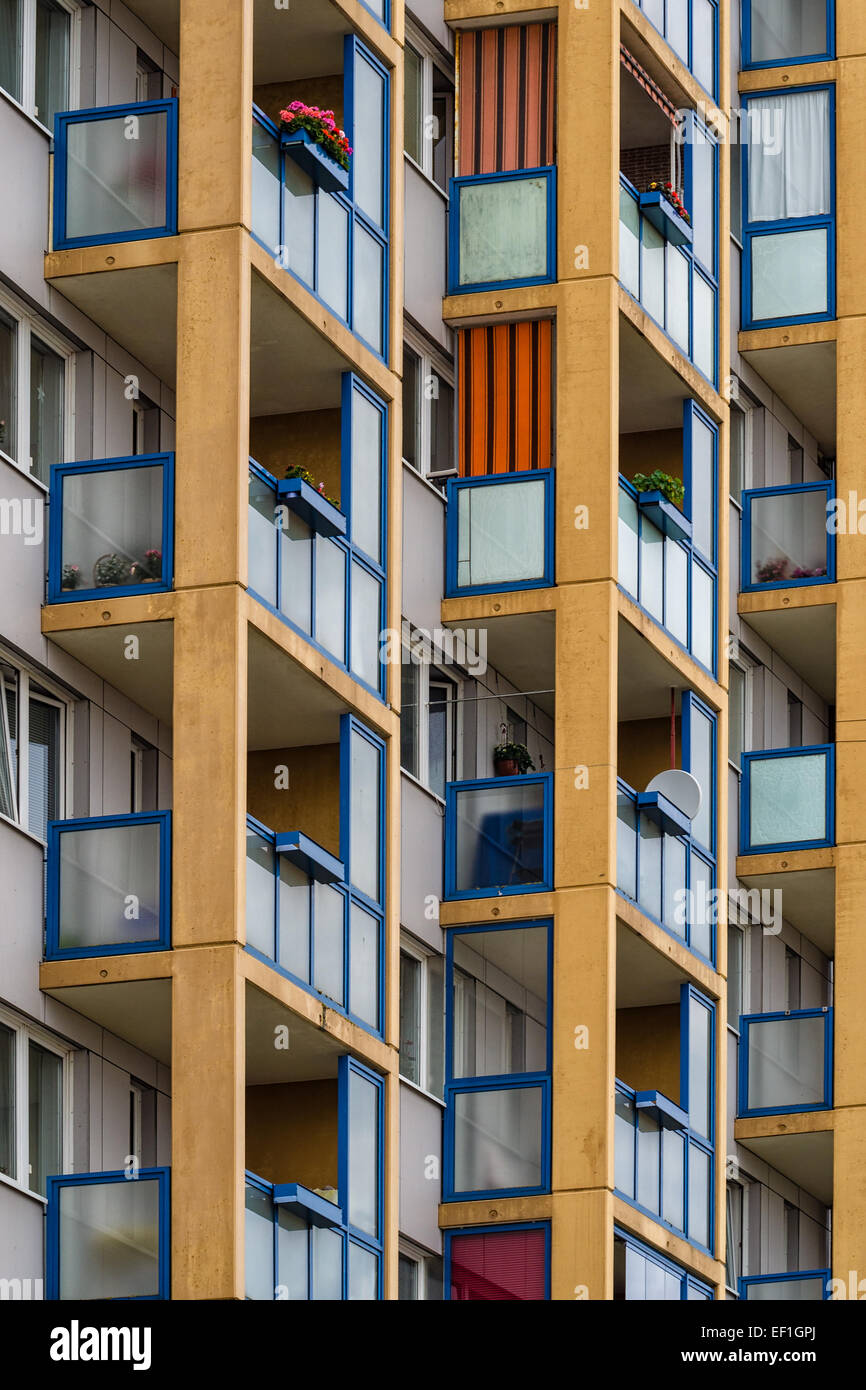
[431,740]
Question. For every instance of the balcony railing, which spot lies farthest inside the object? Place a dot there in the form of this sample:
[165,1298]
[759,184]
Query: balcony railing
[788,539]
[108,885]
[787,799]
[812,1285]
[299,915]
[500,533]
[115,174]
[663,873]
[657,1165]
[112,527]
[108,1236]
[786,1062]
[502,230]
[499,836]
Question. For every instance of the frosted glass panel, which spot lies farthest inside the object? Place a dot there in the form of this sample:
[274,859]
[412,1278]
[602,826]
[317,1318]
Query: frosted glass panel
[333,255]
[704,346]
[623,1144]
[261,891]
[497,1139]
[363,1273]
[501,531]
[677,271]
[789,274]
[366,605]
[628,542]
[503,231]
[330,597]
[368,288]
[653,276]
[266,187]
[262,572]
[364,966]
[786,1290]
[296,574]
[699,1196]
[368,164]
[363,1206]
[786,1063]
[116,174]
[629,243]
[329,911]
[788,536]
[703,620]
[367,425]
[293,1235]
[677,591]
[259,1245]
[783,29]
[365,816]
[294,909]
[109,1240]
[788,799]
[626,846]
[113,527]
[109,886]
[299,197]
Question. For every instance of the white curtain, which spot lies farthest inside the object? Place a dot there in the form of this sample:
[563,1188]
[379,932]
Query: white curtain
[789,156]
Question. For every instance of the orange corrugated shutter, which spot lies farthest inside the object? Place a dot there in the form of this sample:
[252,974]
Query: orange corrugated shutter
[505,400]
[507,98]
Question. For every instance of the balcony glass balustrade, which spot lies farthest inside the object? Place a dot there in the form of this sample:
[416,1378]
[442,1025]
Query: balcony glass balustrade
[812,1285]
[500,533]
[787,799]
[108,1236]
[498,836]
[788,536]
[786,1062]
[691,27]
[502,230]
[665,874]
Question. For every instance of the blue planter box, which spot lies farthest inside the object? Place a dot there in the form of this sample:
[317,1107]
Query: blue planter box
[663,514]
[664,813]
[665,218]
[311,507]
[326,172]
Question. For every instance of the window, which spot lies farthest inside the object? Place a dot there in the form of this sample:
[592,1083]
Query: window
[143,775]
[419,1276]
[795,721]
[792,1237]
[499,1263]
[33,1105]
[37,43]
[422,1017]
[789,196]
[32,751]
[736,714]
[148,78]
[793,966]
[777,32]
[428,410]
[107,1238]
[691,27]
[736,944]
[145,426]
[641,1274]
[429,111]
[429,722]
[36,392]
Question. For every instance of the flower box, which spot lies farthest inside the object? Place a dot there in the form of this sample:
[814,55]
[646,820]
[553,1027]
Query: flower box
[309,156]
[311,507]
[658,210]
[665,516]
[664,813]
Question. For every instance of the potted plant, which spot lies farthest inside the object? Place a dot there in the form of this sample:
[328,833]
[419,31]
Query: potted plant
[110,570]
[148,570]
[70,577]
[803,572]
[312,138]
[663,207]
[512,760]
[658,481]
[296,471]
[668,191]
[774,570]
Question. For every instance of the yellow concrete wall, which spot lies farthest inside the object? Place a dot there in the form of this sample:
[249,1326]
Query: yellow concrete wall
[310,803]
[309,438]
[648,1049]
[644,749]
[646,450]
[325,92]
[292,1132]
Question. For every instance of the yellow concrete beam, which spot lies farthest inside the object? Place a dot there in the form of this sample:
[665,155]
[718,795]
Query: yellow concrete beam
[677,1248]
[115,257]
[711,981]
[697,678]
[215,154]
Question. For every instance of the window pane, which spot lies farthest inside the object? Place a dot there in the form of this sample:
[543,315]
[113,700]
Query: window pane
[650,867]
[736,713]
[704,347]
[503,231]
[789,274]
[368,140]
[677,274]
[676,590]
[628,546]
[110,885]
[332,258]
[363,1273]
[296,574]
[329,908]
[327,1264]
[266,186]
[501,532]
[409,715]
[293,1236]
[788,799]
[407,1277]
[363,1203]
[261,888]
[259,1244]
[700,1069]
[623,1145]
[109,1241]
[784,29]
[10,47]
[441,426]
[8,331]
[789,156]
[500,1020]
[366,610]
[700,920]
[262,572]
[704,198]
[52,60]
[699,1196]
[411,406]
[735,976]
[786,1063]
[413,73]
[367,426]
[648,1160]
[788,536]
[652,271]
[703,617]
[440,736]
[435,1024]
[500,836]
[331,597]
[46,409]
[629,243]
[701,767]
[673,1169]
[703,494]
[299,209]
[364,966]
[410,1018]
[365,812]
[704,43]
[45,1103]
[677,28]
[43,767]
[651,548]
[294,919]
[112,526]
[7,1101]
[497,1139]
[368,288]
[116,175]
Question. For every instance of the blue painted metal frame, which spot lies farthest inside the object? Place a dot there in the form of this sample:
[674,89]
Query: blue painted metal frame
[690,60]
[452,533]
[691,705]
[746,1021]
[746,847]
[162,1176]
[452,792]
[386,8]
[308,1205]
[548,172]
[56,828]
[687,1280]
[746,1280]
[63,120]
[510,1081]
[779,61]
[59,473]
[660,212]
[346,1068]
[315,161]
[309,856]
[826,221]
[492,1230]
[748,495]
[313,509]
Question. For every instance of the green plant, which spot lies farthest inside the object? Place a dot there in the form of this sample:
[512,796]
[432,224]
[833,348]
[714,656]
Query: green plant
[110,570]
[296,471]
[516,753]
[71,577]
[658,481]
[321,127]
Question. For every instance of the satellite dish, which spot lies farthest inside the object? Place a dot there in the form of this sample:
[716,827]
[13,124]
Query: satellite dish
[680,788]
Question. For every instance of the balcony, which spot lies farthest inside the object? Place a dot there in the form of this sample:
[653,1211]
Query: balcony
[112,527]
[812,1285]
[108,885]
[788,539]
[499,836]
[787,799]
[115,174]
[108,1235]
[502,230]
[651,1154]
[691,28]
[500,533]
[786,1062]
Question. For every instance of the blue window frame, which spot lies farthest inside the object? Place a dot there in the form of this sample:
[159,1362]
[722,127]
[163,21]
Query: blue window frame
[777,1288]
[691,27]
[788,799]
[499,836]
[498,1086]
[335,243]
[108,885]
[323,1250]
[664,1154]
[379,9]
[644,1274]
[115,174]
[673,576]
[806,34]
[502,538]
[111,509]
[786,1062]
[124,1267]
[789,226]
[525,253]
[323,933]
[493,1230]
[327,584]
[789,536]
